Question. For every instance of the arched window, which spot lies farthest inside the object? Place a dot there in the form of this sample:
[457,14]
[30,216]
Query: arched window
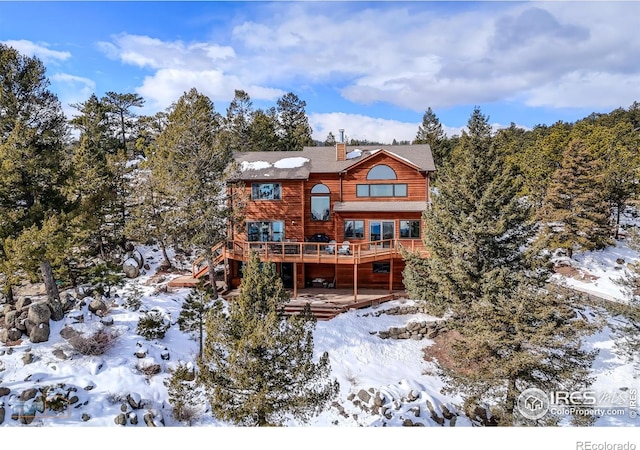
[381,172]
[320,202]
[320,189]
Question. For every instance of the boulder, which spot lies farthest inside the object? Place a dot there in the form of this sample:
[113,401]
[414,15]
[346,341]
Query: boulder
[57,311]
[59,353]
[10,318]
[134,401]
[130,268]
[28,394]
[85,417]
[40,333]
[27,358]
[98,307]
[39,313]
[4,391]
[22,303]
[364,396]
[10,334]
[120,419]
[2,413]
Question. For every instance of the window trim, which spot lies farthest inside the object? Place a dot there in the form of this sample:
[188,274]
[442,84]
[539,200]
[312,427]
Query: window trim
[326,195]
[359,186]
[411,229]
[354,237]
[266,199]
[382,177]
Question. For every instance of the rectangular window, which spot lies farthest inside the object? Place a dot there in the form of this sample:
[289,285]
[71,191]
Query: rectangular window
[410,229]
[353,229]
[265,191]
[381,190]
[381,267]
[265,231]
[320,207]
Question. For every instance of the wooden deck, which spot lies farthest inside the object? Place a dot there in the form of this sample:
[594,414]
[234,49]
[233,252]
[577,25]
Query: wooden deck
[328,303]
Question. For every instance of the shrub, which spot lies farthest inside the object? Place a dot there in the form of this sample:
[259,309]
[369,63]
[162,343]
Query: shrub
[153,325]
[93,344]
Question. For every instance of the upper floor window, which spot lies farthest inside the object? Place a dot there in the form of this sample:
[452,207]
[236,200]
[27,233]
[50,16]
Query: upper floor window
[381,172]
[320,202]
[381,190]
[265,191]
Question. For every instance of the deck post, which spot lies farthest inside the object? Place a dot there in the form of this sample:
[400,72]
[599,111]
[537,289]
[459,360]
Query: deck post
[295,280]
[355,282]
[391,276]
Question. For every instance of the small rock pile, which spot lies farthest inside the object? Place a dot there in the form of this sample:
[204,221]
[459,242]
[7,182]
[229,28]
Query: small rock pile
[415,330]
[31,318]
[132,407]
[410,409]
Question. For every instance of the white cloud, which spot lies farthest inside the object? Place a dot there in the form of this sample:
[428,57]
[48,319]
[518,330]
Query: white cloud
[358,126]
[177,67]
[39,50]
[412,55]
[72,89]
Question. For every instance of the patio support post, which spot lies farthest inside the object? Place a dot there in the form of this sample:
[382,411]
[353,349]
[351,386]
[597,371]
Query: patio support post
[391,276]
[355,282]
[295,280]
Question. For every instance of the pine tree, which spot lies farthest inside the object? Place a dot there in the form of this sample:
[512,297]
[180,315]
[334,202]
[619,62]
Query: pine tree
[263,131]
[193,314]
[294,129]
[119,109]
[237,123]
[575,211]
[330,141]
[257,366]
[510,331]
[183,393]
[430,132]
[191,166]
[33,139]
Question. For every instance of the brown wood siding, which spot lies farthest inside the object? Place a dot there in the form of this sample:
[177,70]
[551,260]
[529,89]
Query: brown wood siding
[288,209]
[415,181]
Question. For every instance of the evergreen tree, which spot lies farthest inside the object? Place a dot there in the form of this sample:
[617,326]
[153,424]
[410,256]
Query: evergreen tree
[33,138]
[191,167]
[263,131]
[236,136]
[183,393]
[575,211]
[330,141]
[122,118]
[430,132]
[257,366]
[511,333]
[295,131]
[90,187]
[193,314]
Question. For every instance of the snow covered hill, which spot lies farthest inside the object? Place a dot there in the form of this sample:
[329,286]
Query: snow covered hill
[383,382]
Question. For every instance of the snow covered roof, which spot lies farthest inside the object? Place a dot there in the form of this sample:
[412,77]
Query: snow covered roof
[284,165]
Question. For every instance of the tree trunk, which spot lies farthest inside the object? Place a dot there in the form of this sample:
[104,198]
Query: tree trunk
[9,295]
[212,273]
[49,281]
[167,261]
[512,395]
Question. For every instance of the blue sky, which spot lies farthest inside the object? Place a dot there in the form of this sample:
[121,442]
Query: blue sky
[371,68]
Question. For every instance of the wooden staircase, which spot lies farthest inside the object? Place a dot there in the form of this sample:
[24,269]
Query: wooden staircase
[198,271]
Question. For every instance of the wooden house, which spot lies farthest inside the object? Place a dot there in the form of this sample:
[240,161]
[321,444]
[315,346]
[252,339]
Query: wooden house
[331,216]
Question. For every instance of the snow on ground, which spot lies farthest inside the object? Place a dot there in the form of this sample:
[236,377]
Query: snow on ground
[600,271]
[360,360]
